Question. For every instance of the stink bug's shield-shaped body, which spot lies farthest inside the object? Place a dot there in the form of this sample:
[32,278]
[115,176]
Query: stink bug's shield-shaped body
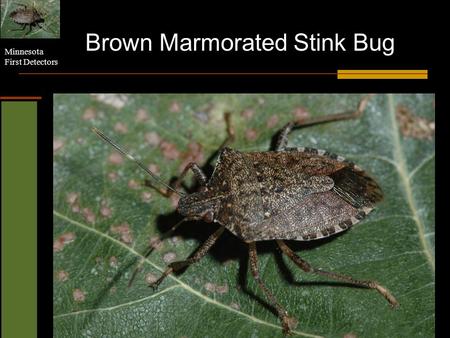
[295,194]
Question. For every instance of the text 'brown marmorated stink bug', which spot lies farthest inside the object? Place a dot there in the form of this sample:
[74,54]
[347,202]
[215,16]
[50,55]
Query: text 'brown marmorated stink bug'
[298,194]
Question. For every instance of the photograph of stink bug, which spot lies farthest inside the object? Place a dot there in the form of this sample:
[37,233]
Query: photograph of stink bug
[30,19]
[296,196]
[27,17]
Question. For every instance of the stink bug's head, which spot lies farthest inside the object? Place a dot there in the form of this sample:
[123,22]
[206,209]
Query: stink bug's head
[199,205]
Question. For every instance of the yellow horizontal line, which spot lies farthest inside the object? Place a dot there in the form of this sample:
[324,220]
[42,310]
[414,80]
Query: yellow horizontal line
[383,71]
[382,74]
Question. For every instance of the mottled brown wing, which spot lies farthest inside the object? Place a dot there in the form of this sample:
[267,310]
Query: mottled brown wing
[23,16]
[320,213]
[298,194]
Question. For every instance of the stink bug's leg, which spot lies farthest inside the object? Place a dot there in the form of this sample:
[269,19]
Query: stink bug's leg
[288,322]
[230,138]
[198,173]
[151,248]
[194,167]
[230,131]
[284,132]
[199,254]
[196,170]
[305,266]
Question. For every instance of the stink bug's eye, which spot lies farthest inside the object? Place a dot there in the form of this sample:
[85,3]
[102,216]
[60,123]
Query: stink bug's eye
[208,217]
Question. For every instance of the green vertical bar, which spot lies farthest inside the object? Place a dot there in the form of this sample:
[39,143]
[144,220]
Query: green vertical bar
[19,219]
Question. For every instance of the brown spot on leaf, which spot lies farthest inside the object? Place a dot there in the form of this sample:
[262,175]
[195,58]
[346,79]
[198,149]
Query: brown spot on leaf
[89,114]
[115,158]
[152,138]
[291,322]
[235,306]
[175,240]
[105,210]
[364,102]
[174,199]
[272,121]
[300,114]
[72,197]
[221,289]
[146,196]
[350,335]
[124,231]
[412,125]
[61,241]
[113,262]
[156,243]
[79,295]
[169,150]
[88,215]
[169,257]
[121,128]
[174,107]
[202,116]
[113,176]
[57,144]
[133,184]
[113,290]
[150,278]
[141,115]
[117,101]
[203,113]
[210,287]
[251,134]
[247,114]
[62,276]
[154,168]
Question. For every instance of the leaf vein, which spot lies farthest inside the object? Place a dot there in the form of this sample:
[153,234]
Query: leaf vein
[404,178]
[420,166]
[178,281]
[115,307]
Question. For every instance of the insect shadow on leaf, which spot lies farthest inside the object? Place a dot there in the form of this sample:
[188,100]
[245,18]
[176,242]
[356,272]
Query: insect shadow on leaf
[300,194]
[105,291]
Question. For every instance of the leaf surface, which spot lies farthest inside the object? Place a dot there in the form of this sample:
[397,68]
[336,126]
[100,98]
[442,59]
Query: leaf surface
[104,218]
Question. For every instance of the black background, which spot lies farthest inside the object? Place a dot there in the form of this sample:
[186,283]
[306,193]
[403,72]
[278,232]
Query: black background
[415,48]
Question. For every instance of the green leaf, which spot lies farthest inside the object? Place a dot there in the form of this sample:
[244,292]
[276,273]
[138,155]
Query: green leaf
[49,10]
[97,200]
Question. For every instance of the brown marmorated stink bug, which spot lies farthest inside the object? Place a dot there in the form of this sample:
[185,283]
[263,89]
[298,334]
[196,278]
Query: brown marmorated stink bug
[27,16]
[298,194]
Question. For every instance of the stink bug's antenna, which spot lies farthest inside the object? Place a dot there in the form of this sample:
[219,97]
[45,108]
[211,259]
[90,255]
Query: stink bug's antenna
[130,157]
